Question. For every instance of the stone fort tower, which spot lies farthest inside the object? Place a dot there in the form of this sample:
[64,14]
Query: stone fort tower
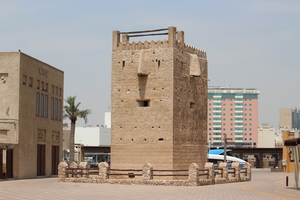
[159,102]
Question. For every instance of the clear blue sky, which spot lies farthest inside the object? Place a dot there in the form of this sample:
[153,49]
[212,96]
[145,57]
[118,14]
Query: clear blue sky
[248,43]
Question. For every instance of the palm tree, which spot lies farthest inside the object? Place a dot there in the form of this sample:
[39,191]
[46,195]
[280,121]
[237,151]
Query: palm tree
[72,111]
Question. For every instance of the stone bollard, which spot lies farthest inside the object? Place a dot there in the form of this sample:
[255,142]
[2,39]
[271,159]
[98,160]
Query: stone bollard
[74,167]
[251,164]
[62,170]
[211,171]
[103,170]
[147,172]
[224,172]
[85,171]
[248,172]
[266,164]
[193,175]
[236,166]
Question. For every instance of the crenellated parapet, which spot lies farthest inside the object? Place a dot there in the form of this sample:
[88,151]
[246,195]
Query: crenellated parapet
[142,45]
[193,50]
[175,39]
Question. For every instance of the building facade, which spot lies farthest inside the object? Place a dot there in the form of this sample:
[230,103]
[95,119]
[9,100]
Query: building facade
[289,119]
[92,135]
[266,136]
[290,150]
[159,109]
[30,116]
[234,112]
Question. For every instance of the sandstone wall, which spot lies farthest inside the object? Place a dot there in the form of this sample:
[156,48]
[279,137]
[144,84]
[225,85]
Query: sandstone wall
[159,99]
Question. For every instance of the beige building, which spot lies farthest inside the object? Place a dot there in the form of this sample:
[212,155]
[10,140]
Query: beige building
[30,116]
[288,152]
[159,102]
[285,116]
[266,136]
[290,119]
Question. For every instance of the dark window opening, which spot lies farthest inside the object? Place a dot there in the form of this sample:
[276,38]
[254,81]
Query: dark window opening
[161,139]
[37,104]
[123,63]
[192,105]
[144,103]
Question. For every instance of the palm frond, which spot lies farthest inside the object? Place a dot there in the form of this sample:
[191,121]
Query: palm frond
[72,109]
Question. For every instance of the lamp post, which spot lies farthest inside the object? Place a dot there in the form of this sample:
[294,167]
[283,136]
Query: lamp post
[225,146]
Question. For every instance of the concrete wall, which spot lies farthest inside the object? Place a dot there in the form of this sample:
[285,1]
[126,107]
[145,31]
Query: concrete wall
[266,137]
[92,136]
[9,109]
[28,77]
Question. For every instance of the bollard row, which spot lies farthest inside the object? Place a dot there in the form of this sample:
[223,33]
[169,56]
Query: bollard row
[147,175]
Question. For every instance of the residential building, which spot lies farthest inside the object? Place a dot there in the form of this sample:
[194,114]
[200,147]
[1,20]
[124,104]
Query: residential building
[266,136]
[30,116]
[234,112]
[159,102]
[290,119]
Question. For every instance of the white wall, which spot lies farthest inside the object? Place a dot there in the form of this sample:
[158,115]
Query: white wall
[105,136]
[92,136]
[266,137]
[107,120]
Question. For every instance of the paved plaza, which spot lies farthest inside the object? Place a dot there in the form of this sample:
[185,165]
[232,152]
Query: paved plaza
[264,185]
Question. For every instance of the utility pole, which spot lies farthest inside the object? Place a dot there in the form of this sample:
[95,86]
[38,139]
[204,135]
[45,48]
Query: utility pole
[225,147]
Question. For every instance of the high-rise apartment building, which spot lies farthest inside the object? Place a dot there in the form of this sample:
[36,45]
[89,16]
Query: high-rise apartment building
[234,112]
[290,119]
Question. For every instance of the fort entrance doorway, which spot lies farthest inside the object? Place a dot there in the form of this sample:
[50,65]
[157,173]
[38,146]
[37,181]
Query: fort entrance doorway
[6,163]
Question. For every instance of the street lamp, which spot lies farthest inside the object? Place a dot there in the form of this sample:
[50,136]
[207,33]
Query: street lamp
[225,146]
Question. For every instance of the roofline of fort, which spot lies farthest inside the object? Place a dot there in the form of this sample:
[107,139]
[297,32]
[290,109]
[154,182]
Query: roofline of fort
[175,40]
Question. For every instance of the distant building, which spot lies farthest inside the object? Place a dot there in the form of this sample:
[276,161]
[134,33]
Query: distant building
[234,112]
[30,116]
[107,120]
[66,136]
[278,138]
[290,119]
[92,135]
[92,142]
[266,136]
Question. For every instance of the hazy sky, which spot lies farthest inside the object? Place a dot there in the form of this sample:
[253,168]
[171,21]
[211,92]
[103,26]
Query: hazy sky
[253,44]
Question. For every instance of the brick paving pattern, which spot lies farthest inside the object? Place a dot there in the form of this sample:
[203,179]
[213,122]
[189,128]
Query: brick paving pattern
[264,185]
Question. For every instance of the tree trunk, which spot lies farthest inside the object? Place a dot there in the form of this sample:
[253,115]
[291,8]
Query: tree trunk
[72,138]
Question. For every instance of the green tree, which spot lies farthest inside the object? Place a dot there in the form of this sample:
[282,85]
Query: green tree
[72,111]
